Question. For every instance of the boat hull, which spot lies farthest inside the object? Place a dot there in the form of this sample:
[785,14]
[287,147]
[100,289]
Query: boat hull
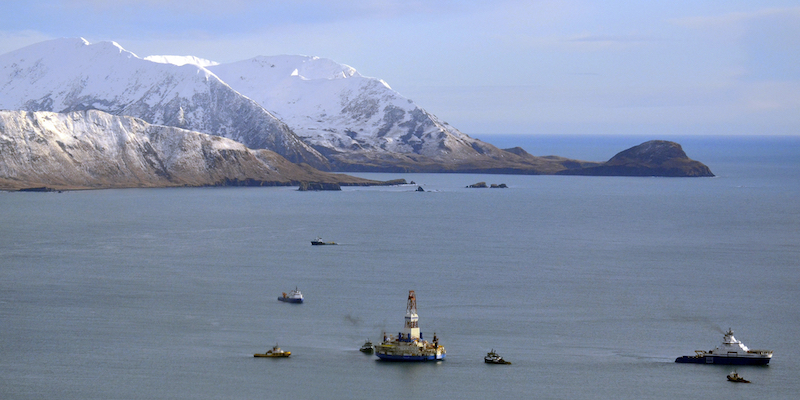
[290,300]
[398,357]
[723,360]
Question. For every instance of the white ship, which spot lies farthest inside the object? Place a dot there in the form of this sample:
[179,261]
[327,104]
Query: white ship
[409,345]
[731,352]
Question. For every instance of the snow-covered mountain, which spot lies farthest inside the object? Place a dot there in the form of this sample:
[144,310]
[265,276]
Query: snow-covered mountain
[93,149]
[65,75]
[307,109]
[328,115]
[340,112]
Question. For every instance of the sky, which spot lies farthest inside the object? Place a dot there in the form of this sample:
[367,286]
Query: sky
[698,67]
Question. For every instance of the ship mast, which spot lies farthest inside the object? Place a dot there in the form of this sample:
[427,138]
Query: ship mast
[411,329]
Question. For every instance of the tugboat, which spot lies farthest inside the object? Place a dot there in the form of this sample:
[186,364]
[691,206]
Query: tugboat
[293,297]
[274,352]
[408,345]
[734,377]
[494,358]
[730,352]
[367,347]
[318,242]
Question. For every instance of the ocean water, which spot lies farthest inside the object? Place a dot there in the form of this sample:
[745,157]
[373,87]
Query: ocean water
[590,286]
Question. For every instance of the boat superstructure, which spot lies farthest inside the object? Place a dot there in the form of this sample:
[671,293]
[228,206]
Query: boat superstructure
[730,352]
[293,297]
[409,345]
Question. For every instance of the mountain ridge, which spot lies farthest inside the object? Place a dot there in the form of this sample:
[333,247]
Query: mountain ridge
[309,110]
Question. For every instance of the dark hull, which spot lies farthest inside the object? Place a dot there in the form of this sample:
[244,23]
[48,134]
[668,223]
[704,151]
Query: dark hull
[723,360]
[290,300]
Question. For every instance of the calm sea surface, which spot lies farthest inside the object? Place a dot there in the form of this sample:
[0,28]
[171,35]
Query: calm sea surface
[591,286]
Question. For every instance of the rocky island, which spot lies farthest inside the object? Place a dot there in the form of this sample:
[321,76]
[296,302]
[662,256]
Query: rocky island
[653,158]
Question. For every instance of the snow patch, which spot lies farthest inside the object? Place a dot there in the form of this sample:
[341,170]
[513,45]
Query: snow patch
[181,60]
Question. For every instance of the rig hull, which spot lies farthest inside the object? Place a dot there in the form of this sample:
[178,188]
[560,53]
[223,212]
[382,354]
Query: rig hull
[390,357]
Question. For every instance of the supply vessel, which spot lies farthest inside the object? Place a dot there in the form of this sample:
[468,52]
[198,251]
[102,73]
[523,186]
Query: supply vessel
[730,352]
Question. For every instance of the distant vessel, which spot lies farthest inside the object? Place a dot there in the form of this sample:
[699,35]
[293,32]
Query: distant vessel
[494,358]
[408,345]
[731,351]
[274,352]
[293,297]
[318,242]
[734,377]
[367,347]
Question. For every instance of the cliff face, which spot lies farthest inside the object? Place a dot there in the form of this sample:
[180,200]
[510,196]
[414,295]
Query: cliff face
[93,149]
[653,158]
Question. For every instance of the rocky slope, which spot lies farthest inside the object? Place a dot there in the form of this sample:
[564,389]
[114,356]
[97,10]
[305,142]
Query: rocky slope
[93,149]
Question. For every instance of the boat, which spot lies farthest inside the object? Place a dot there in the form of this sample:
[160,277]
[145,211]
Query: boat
[274,352]
[734,377]
[367,347]
[293,297]
[494,358]
[409,345]
[319,242]
[730,352]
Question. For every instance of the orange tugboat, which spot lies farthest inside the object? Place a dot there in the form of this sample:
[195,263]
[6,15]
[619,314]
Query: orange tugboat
[734,377]
[274,352]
